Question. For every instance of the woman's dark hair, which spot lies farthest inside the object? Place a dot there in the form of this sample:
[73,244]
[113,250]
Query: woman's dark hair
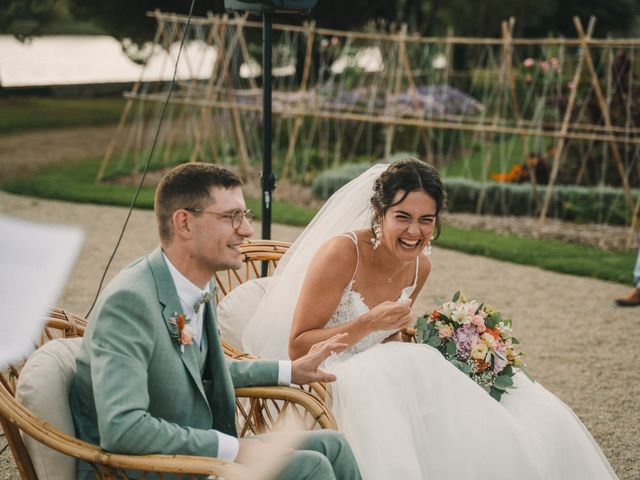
[408,175]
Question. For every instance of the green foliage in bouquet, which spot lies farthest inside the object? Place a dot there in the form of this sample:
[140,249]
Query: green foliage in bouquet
[476,339]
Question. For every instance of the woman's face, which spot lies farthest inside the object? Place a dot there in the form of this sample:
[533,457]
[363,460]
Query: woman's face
[407,227]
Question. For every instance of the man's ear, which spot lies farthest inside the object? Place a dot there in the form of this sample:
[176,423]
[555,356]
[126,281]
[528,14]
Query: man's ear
[181,222]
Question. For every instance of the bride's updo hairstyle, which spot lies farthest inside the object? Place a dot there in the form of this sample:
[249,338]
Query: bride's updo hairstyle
[408,175]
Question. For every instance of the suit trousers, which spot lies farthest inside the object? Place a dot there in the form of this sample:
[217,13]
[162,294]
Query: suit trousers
[318,455]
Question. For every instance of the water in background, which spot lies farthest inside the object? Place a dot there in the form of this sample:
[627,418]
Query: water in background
[88,59]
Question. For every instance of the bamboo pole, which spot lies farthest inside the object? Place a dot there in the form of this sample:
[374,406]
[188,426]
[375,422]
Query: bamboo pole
[424,133]
[396,85]
[210,133]
[396,121]
[236,121]
[297,123]
[172,138]
[204,111]
[635,223]
[507,33]
[504,68]
[558,150]
[592,42]
[245,52]
[127,107]
[604,108]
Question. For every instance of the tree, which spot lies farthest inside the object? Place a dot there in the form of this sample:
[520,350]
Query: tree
[29,17]
[534,18]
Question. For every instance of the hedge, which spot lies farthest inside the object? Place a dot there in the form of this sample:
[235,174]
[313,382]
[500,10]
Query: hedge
[569,202]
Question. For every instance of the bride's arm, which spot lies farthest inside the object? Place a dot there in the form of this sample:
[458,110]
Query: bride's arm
[424,268]
[328,274]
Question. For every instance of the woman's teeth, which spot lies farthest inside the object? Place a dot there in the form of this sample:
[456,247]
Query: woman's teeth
[409,243]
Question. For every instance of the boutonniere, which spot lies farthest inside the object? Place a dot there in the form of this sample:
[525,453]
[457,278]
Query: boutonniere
[182,333]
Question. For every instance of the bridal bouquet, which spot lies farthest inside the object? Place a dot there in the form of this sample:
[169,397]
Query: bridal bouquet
[475,338]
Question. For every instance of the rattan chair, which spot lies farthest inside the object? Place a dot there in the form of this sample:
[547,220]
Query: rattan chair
[260,409]
[253,254]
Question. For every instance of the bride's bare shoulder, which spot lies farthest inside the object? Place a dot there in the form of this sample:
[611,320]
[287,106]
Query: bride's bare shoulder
[339,252]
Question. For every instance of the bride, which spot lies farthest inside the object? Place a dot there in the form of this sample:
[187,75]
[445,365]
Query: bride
[406,411]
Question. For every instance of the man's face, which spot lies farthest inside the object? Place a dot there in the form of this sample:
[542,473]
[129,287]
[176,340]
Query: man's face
[216,243]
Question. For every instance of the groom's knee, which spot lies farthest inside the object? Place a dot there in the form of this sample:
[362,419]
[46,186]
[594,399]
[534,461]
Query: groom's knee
[334,446]
[330,443]
[307,465]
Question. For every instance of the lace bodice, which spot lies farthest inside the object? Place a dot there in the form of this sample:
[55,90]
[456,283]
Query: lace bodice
[352,305]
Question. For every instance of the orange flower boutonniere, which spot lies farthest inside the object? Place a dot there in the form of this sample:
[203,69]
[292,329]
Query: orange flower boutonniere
[182,333]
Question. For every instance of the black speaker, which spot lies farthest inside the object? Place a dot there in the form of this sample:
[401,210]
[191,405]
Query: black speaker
[278,6]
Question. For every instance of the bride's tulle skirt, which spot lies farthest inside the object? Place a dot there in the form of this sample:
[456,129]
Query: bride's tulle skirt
[409,414]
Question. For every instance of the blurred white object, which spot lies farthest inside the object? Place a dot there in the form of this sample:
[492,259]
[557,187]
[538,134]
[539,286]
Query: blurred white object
[36,260]
[439,62]
[367,59]
[89,59]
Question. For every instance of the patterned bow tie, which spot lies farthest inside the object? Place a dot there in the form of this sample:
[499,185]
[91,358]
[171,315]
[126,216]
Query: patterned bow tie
[205,298]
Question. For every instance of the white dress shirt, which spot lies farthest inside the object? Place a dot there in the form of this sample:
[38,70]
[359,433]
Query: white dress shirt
[189,294]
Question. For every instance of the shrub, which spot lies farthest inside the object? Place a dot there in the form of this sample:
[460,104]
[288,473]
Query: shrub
[569,202]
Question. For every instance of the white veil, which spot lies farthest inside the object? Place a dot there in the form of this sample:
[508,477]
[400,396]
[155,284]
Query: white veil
[267,333]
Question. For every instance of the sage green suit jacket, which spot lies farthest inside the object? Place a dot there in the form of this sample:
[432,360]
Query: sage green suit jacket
[134,391]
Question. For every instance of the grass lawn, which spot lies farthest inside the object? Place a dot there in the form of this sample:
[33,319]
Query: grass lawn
[75,182]
[23,113]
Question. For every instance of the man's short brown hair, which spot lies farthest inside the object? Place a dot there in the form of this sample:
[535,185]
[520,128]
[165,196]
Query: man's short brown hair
[188,186]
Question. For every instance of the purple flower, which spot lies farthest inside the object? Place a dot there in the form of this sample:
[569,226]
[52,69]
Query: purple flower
[464,337]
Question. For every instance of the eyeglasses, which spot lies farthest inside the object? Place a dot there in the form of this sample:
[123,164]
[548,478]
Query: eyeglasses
[235,216]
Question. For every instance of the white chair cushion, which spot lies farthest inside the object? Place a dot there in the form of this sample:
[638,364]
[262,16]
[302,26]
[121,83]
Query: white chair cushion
[43,387]
[236,309]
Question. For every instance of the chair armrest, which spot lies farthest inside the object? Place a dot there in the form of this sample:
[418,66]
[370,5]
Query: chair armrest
[268,408]
[14,416]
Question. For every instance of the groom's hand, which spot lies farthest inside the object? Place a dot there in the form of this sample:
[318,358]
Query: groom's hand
[305,369]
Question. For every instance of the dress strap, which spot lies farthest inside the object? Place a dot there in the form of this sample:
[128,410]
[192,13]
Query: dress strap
[415,280]
[354,239]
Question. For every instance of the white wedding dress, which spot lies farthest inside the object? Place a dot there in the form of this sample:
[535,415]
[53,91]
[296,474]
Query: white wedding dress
[409,414]
[406,411]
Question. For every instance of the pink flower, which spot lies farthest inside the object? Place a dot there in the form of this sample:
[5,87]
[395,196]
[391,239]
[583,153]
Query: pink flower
[477,320]
[544,66]
[186,336]
[445,331]
[528,62]
[464,338]
[499,364]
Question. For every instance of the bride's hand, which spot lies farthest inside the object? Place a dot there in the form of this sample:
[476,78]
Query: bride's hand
[389,316]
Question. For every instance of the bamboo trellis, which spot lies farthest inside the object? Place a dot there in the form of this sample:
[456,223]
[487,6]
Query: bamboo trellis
[215,110]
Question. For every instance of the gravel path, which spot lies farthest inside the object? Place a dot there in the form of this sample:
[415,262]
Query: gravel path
[576,340]
[578,343]
[24,153]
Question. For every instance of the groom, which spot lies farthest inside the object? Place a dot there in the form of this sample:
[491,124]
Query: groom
[152,377]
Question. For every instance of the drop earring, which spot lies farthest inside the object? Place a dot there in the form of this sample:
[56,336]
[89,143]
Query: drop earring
[428,249]
[377,234]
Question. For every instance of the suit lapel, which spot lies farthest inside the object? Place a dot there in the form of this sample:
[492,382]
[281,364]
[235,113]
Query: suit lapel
[168,297]
[223,396]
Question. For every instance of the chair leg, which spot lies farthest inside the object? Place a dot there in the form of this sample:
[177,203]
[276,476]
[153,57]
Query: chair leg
[20,454]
